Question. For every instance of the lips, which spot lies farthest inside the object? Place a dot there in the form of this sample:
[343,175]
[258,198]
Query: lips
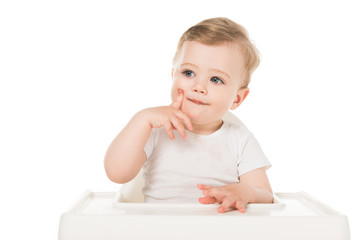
[198,102]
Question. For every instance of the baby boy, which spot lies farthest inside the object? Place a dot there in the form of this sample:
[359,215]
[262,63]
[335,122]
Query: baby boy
[188,151]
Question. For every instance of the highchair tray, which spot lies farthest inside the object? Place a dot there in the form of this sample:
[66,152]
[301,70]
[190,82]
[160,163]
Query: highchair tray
[99,215]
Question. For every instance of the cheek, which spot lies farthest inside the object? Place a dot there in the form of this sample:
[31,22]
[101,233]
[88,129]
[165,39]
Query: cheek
[174,92]
[224,103]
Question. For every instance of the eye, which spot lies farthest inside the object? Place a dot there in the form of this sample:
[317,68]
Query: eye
[189,73]
[216,80]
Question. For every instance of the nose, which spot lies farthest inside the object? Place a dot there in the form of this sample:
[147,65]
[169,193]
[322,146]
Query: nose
[200,88]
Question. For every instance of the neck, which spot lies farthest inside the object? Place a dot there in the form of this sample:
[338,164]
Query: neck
[206,128]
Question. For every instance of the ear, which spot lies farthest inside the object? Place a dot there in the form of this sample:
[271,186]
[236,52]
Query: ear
[240,97]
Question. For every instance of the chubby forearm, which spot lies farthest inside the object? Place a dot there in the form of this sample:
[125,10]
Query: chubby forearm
[260,195]
[125,155]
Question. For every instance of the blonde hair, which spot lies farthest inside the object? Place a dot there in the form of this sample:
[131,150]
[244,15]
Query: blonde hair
[216,31]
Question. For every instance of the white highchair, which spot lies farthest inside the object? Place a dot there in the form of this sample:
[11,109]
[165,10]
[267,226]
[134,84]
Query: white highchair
[124,215]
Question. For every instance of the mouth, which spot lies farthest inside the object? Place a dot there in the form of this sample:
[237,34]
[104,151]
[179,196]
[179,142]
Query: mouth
[197,102]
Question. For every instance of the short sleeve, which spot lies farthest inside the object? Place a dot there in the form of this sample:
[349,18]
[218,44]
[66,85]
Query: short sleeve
[149,146]
[251,156]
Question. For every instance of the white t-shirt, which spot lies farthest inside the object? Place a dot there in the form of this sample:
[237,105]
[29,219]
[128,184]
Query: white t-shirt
[175,167]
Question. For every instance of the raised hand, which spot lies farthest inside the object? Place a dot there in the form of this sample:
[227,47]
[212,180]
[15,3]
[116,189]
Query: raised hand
[170,117]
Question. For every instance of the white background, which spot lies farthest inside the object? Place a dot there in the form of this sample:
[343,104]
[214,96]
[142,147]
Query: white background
[74,72]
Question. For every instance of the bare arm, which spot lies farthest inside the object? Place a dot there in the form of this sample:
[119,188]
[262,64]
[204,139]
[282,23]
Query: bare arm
[259,182]
[254,187]
[125,155]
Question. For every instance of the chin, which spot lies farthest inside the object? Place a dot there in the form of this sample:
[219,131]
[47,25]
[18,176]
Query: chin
[199,115]
[194,116]
[200,118]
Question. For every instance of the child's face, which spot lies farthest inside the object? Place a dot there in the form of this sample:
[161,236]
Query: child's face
[210,78]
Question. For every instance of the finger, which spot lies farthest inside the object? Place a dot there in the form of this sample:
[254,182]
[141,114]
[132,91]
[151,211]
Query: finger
[179,127]
[203,187]
[185,119]
[228,202]
[213,192]
[240,206]
[177,103]
[207,200]
[169,130]
[217,192]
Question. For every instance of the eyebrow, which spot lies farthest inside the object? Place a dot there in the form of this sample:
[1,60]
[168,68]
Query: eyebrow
[211,69]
